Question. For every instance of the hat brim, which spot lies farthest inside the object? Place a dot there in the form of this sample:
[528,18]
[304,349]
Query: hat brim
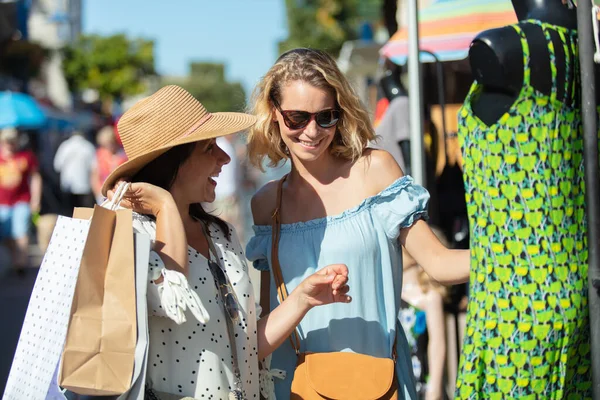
[220,124]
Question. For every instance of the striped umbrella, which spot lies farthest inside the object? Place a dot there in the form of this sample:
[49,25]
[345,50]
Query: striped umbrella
[447,28]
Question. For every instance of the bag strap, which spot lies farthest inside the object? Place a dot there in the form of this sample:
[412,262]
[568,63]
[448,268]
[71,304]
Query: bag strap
[276,267]
[282,292]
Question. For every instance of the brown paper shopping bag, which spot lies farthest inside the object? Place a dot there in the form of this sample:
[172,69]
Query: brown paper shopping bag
[98,355]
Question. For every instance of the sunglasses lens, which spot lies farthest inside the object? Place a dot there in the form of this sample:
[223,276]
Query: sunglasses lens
[327,118]
[229,300]
[231,306]
[296,119]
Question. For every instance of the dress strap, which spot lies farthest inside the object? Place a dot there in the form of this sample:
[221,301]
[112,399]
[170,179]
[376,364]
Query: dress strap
[526,55]
[282,292]
[552,52]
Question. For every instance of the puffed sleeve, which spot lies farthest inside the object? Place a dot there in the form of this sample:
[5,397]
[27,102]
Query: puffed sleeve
[172,297]
[259,246]
[400,205]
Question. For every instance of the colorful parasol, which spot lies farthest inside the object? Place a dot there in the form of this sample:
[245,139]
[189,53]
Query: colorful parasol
[447,28]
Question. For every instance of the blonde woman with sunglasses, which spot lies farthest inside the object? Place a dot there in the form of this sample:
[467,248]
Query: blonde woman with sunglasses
[205,336]
[341,201]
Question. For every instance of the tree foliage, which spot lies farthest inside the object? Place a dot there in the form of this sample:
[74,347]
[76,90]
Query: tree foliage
[327,24]
[207,83]
[114,65]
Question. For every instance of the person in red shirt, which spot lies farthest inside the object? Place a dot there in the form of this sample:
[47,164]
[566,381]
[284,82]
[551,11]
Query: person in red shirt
[20,193]
[109,156]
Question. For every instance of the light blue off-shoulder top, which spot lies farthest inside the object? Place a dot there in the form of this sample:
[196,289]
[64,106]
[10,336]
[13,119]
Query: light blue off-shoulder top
[365,238]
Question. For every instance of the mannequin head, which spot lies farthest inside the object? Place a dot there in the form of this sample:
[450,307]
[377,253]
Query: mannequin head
[551,11]
[390,82]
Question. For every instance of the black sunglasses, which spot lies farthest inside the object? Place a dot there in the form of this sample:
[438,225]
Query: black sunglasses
[230,302]
[299,119]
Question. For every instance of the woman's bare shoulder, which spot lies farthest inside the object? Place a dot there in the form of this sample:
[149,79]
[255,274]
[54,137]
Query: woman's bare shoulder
[378,168]
[263,203]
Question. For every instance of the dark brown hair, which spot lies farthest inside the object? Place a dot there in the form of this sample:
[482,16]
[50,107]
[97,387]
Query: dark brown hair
[162,172]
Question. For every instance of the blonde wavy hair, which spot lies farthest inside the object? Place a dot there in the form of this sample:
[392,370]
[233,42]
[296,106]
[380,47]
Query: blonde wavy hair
[317,68]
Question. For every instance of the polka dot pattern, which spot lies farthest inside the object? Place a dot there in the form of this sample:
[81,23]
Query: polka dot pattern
[194,358]
[47,318]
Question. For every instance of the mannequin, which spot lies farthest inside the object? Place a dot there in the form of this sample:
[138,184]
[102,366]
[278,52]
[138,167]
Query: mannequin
[394,128]
[496,58]
[521,135]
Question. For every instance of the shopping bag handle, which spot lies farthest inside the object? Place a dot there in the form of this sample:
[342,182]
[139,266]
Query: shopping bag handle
[113,204]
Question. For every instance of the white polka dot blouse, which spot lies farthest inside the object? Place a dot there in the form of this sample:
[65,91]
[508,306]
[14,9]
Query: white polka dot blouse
[190,353]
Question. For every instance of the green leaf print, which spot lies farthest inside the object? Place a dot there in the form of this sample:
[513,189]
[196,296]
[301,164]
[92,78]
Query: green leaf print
[529,148]
[562,273]
[509,315]
[494,343]
[514,247]
[495,148]
[514,122]
[529,345]
[523,233]
[539,275]
[495,162]
[557,216]
[499,218]
[541,331]
[557,201]
[500,204]
[544,316]
[505,385]
[466,391]
[517,177]
[534,218]
[519,359]
[507,372]
[525,107]
[539,305]
[529,288]
[538,385]
[503,273]
[568,243]
[506,329]
[527,162]
[505,259]
[576,298]
[541,371]
[535,204]
[539,134]
[519,302]
[540,261]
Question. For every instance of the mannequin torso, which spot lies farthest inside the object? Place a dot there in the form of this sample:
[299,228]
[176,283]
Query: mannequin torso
[496,58]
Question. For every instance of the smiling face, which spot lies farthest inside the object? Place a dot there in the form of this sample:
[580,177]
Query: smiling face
[194,182]
[311,142]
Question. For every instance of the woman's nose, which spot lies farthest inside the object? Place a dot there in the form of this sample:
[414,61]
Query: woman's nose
[223,158]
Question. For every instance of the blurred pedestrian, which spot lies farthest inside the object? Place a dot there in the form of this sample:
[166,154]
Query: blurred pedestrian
[75,160]
[20,192]
[109,155]
[227,201]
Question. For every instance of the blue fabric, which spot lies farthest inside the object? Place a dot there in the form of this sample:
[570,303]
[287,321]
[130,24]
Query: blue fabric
[14,220]
[365,238]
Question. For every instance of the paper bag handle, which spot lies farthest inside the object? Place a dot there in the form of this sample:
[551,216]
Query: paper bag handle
[113,204]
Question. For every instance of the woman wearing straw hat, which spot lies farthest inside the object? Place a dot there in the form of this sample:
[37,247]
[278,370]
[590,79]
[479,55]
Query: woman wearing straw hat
[197,262]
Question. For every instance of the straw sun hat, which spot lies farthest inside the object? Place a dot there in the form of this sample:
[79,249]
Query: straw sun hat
[166,119]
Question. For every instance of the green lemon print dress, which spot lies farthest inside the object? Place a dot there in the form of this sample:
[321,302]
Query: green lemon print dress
[527,334]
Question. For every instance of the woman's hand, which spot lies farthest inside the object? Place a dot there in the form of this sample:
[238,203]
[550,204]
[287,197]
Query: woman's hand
[326,286]
[143,198]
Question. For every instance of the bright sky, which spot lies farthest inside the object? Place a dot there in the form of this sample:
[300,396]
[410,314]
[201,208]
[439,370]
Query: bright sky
[243,34]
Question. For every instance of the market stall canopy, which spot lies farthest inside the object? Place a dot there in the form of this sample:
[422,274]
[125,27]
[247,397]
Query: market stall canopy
[447,28]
